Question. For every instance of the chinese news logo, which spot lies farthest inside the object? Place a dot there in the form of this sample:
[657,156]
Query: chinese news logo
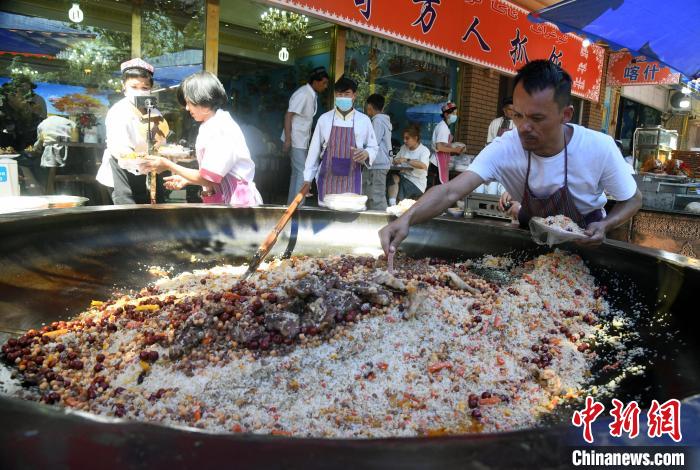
[661,419]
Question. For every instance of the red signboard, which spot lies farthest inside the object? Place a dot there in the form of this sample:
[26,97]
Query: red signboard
[625,70]
[493,33]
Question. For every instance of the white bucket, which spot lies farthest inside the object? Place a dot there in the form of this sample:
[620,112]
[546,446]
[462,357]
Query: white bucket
[9,180]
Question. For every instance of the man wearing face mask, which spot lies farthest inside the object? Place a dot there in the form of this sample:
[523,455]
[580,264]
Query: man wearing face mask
[127,132]
[343,141]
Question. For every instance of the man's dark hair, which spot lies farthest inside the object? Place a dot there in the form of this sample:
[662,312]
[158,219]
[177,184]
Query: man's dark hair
[318,74]
[541,74]
[377,101]
[137,72]
[507,101]
[345,84]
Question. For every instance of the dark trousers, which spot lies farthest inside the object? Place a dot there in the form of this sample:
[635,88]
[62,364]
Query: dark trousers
[131,189]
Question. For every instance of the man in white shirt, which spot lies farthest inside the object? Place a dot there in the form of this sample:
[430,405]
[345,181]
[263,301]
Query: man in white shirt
[501,124]
[343,141]
[553,167]
[297,126]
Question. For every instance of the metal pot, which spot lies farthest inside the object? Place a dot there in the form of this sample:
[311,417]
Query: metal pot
[55,264]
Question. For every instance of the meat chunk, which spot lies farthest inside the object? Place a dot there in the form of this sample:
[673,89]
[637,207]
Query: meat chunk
[371,292]
[287,323]
[322,312]
[311,286]
[386,279]
[458,283]
[418,298]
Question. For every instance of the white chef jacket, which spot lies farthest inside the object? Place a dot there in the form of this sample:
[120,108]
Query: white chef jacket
[304,105]
[364,138]
[124,135]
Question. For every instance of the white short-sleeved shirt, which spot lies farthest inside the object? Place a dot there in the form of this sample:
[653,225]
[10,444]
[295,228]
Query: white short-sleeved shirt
[304,105]
[415,175]
[495,126]
[595,167]
[125,134]
[364,138]
[441,134]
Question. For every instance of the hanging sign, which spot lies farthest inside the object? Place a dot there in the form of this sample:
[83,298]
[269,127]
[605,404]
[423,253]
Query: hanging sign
[493,33]
[624,69]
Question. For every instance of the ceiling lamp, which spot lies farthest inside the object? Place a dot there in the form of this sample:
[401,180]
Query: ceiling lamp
[282,28]
[75,13]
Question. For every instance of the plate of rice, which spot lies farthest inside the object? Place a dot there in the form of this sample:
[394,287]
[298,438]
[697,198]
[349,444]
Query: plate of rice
[555,229]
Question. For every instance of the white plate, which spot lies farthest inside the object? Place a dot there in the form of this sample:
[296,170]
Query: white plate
[132,165]
[9,155]
[544,234]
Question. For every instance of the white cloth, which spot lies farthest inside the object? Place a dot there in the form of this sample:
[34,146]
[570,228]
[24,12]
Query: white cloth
[124,135]
[441,135]
[304,105]
[416,176]
[222,150]
[495,126]
[364,138]
[595,167]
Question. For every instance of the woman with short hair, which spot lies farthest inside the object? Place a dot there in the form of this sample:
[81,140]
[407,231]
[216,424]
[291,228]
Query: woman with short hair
[226,170]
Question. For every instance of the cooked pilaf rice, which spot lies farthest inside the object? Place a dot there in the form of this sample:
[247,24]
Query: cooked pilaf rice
[449,353]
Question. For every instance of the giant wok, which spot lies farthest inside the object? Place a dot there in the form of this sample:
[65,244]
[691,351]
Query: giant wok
[55,262]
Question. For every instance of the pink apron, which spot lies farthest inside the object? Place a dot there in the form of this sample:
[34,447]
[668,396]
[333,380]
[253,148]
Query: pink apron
[443,159]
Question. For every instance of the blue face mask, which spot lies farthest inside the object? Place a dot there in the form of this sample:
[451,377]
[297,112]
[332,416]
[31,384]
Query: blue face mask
[343,103]
[451,119]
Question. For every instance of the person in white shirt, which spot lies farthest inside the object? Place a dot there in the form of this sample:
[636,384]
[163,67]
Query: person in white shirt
[226,170]
[410,183]
[374,177]
[443,147]
[127,132]
[342,142]
[297,126]
[556,168]
[501,124]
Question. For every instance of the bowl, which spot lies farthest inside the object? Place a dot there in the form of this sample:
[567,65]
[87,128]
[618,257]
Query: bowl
[61,201]
[455,212]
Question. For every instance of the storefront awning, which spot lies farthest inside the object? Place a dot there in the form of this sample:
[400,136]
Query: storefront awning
[666,31]
[39,37]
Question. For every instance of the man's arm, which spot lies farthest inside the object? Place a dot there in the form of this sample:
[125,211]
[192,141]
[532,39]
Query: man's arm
[620,213]
[432,203]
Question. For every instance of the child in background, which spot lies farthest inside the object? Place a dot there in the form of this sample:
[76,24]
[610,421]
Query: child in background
[374,176]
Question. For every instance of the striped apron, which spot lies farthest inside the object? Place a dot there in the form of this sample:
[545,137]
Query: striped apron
[338,173]
[561,202]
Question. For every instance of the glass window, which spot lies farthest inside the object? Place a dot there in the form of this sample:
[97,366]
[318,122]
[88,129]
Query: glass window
[414,82]
[51,65]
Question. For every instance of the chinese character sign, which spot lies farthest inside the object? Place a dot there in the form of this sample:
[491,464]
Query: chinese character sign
[661,419]
[625,70]
[493,33]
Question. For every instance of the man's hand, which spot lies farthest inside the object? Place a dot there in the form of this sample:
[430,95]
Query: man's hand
[287,145]
[174,182]
[359,155]
[596,233]
[393,234]
[399,160]
[505,201]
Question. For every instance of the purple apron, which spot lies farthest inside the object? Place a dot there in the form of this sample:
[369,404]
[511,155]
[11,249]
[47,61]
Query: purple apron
[339,174]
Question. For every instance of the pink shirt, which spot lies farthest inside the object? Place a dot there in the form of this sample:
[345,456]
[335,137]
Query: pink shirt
[224,160]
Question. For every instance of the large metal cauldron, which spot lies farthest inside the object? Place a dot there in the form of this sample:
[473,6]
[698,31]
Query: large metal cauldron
[52,263]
